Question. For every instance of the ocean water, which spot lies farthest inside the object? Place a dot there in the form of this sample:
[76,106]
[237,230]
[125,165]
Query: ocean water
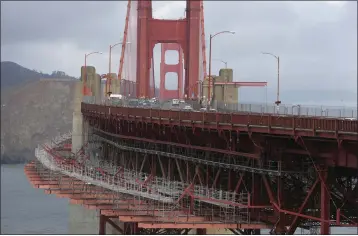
[26,210]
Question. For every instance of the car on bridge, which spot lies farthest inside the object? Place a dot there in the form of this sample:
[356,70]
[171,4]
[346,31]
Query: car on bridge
[116,99]
[187,108]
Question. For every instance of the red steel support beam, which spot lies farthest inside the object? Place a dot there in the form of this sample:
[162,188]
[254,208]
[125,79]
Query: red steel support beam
[302,126]
[294,224]
[152,31]
[202,226]
[325,205]
[175,68]
[102,225]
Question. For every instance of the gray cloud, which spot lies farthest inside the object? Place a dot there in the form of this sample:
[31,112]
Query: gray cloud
[316,41]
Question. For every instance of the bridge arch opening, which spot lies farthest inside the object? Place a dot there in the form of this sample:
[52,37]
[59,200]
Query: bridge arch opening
[171,57]
[171,81]
[168,70]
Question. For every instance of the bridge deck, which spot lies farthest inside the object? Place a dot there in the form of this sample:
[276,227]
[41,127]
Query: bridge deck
[333,128]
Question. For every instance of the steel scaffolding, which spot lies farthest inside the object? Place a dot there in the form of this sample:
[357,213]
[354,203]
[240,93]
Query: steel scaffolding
[164,195]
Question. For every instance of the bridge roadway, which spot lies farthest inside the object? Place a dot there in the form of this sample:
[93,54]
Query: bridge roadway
[331,140]
[317,127]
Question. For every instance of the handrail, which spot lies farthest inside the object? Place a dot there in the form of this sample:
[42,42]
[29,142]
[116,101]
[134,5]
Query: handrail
[270,121]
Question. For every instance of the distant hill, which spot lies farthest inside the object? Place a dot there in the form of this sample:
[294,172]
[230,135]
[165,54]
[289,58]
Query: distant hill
[34,107]
[13,74]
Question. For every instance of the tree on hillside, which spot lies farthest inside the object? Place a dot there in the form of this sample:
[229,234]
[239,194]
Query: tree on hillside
[59,74]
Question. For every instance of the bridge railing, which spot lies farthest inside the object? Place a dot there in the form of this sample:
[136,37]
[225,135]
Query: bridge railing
[253,108]
[265,122]
[289,109]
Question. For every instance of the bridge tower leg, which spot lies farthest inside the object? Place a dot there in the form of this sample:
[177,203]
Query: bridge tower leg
[184,32]
[325,205]
[77,119]
[176,68]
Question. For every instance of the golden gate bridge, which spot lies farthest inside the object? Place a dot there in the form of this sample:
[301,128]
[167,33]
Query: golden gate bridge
[158,170]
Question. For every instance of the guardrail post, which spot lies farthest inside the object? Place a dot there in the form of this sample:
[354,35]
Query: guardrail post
[336,128]
[293,125]
[269,123]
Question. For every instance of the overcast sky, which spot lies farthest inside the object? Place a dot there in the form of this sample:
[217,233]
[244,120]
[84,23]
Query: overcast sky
[316,41]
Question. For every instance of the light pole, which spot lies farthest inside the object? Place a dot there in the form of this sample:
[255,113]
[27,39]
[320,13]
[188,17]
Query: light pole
[226,79]
[211,37]
[225,62]
[85,72]
[278,102]
[110,66]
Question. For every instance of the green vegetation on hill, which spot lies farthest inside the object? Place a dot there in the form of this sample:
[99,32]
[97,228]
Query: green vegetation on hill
[13,74]
[32,110]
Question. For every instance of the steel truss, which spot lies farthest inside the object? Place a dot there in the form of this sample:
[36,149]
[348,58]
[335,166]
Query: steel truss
[165,195]
[111,204]
[286,202]
[90,196]
[227,161]
[289,182]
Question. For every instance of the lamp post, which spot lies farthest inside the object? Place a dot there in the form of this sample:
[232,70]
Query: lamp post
[225,62]
[278,102]
[226,79]
[85,72]
[108,84]
[211,37]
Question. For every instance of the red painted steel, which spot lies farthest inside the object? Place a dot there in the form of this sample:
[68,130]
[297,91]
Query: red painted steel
[203,39]
[176,68]
[283,201]
[128,88]
[287,214]
[260,123]
[152,31]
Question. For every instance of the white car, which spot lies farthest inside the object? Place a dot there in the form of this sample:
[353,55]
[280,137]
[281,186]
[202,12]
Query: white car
[350,118]
[187,108]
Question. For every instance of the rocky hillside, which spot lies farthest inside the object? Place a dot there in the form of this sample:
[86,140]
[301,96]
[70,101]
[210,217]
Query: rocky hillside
[32,111]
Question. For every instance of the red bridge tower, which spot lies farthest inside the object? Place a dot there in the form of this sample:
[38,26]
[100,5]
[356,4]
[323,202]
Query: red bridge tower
[183,32]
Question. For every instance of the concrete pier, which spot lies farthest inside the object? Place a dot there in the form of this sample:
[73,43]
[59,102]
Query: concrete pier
[96,88]
[115,84]
[82,220]
[77,119]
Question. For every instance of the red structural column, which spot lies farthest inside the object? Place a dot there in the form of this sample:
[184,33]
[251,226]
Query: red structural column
[325,205]
[143,66]
[176,68]
[102,225]
[193,49]
[152,31]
